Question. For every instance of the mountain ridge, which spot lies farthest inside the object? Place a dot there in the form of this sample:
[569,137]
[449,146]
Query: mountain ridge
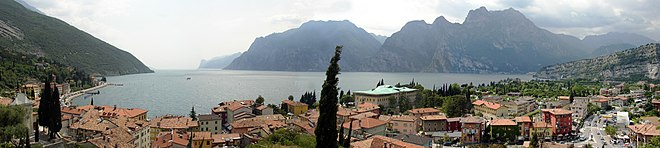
[33,33]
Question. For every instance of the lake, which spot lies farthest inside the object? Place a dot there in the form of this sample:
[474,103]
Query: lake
[170,92]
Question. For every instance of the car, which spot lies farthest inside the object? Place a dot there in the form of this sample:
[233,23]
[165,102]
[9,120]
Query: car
[598,133]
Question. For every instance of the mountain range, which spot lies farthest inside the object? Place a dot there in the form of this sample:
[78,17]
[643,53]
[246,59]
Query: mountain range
[309,48]
[219,62]
[31,32]
[638,63]
[502,41]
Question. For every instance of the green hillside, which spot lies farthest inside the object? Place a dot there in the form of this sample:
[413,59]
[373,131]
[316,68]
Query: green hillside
[31,33]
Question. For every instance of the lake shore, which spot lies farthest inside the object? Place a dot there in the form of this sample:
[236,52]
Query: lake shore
[69,97]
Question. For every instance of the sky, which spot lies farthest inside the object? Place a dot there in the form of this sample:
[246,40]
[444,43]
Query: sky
[178,34]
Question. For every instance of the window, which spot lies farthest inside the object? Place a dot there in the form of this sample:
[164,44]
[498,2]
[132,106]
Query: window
[216,122]
[208,142]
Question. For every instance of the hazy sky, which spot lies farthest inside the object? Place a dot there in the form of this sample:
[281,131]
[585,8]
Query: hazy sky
[177,34]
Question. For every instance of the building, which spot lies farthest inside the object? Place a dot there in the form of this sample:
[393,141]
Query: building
[641,134]
[504,130]
[108,112]
[226,140]
[381,94]
[453,124]
[368,107]
[622,120]
[138,129]
[182,138]
[541,130]
[263,110]
[656,103]
[259,126]
[294,107]
[419,112]
[21,100]
[169,122]
[231,110]
[490,110]
[620,101]
[601,102]
[210,123]
[579,107]
[472,130]
[432,123]
[525,126]
[404,124]
[560,120]
[364,128]
[101,132]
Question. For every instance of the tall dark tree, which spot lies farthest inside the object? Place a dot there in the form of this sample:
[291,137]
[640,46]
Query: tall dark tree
[190,141]
[326,130]
[341,133]
[44,104]
[260,100]
[91,102]
[347,141]
[290,97]
[193,114]
[55,114]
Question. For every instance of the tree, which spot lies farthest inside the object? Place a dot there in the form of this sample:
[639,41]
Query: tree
[193,114]
[190,141]
[44,104]
[589,146]
[55,114]
[610,130]
[326,130]
[290,97]
[654,143]
[534,142]
[260,100]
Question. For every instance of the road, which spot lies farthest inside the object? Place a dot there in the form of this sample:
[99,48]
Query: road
[595,133]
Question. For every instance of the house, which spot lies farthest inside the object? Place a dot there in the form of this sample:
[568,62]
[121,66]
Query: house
[579,107]
[231,110]
[620,101]
[560,120]
[381,94]
[248,125]
[656,103]
[419,112]
[432,123]
[168,123]
[263,110]
[100,132]
[601,102]
[368,107]
[182,138]
[472,130]
[504,130]
[365,127]
[641,134]
[525,125]
[138,129]
[226,140]
[382,142]
[453,124]
[294,107]
[210,123]
[404,124]
[344,114]
[490,110]
[541,130]
[108,112]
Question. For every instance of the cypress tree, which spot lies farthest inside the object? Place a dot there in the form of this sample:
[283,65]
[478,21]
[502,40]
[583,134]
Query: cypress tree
[56,114]
[44,104]
[193,114]
[347,142]
[341,133]
[190,141]
[326,130]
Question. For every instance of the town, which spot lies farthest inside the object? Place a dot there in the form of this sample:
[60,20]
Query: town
[506,113]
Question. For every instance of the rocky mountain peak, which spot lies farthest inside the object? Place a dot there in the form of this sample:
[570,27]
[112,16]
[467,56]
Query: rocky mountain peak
[440,21]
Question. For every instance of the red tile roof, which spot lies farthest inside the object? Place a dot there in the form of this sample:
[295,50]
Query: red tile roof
[293,103]
[558,111]
[523,119]
[364,123]
[382,141]
[490,105]
[407,118]
[5,101]
[423,110]
[433,117]
[502,122]
[645,129]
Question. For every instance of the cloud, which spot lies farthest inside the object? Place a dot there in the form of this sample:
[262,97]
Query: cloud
[211,28]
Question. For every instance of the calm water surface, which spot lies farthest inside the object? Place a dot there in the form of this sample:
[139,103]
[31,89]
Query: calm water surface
[169,91]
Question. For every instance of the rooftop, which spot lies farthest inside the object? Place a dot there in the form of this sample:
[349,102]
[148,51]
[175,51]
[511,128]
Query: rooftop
[472,120]
[208,117]
[433,117]
[490,105]
[502,122]
[364,123]
[523,119]
[645,129]
[385,90]
[423,110]
[407,118]
[558,111]
[173,122]
[293,103]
